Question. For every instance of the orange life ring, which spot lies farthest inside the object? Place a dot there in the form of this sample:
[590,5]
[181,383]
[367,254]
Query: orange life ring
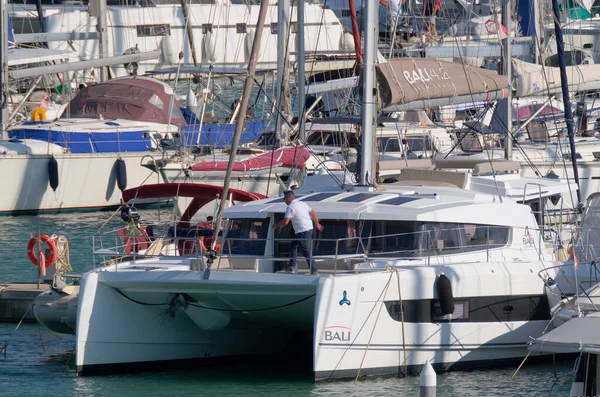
[39,114]
[51,246]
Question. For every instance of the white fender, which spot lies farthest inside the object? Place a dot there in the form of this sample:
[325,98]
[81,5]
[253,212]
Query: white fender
[347,42]
[169,50]
[208,46]
[190,99]
[248,41]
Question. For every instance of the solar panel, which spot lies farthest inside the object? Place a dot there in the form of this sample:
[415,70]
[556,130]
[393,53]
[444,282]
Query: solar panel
[276,200]
[319,196]
[399,200]
[356,198]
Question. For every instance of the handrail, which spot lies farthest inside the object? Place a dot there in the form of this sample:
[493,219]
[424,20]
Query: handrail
[421,245]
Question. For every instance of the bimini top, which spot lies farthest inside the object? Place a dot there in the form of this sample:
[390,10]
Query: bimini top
[132,98]
[410,203]
[202,194]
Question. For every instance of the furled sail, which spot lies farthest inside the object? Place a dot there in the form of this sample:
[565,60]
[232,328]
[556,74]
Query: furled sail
[423,82]
[532,79]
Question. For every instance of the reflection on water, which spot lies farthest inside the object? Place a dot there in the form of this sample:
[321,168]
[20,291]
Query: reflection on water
[39,362]
[77,227]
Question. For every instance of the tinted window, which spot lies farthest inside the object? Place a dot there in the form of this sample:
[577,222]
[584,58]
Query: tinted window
[246,236]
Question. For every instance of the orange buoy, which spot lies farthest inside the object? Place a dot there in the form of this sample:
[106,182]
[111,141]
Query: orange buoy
[39,114]
[51,246]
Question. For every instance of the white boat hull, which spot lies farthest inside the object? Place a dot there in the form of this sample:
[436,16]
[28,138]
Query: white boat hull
[356,334]
[222,34]
[123,321]
[85,182]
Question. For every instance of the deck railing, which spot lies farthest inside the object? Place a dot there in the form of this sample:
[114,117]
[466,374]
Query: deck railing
[336,254]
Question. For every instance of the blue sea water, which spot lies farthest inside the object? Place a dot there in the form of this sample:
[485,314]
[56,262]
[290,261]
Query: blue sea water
[39,362]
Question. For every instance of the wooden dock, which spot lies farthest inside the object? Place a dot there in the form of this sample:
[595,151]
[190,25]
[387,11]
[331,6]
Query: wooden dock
[16,301]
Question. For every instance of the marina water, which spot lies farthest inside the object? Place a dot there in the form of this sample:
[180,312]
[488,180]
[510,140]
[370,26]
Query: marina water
[40,362]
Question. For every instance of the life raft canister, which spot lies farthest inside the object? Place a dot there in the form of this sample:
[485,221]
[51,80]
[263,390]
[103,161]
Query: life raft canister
[51,246]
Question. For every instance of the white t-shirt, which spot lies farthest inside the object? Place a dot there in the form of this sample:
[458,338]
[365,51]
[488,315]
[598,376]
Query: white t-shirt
[298,212]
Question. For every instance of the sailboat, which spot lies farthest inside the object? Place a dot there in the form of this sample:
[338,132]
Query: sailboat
[83,164]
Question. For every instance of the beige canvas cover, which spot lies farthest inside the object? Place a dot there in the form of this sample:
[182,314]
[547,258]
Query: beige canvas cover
[404,80]
[532,79]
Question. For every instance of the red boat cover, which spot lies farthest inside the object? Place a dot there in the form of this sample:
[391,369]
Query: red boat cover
[285,157]
[133,98]
[202,194]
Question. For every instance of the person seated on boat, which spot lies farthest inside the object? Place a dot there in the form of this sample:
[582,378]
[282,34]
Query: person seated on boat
[207,224]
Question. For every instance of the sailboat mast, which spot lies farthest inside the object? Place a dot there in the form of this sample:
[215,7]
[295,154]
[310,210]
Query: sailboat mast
[241,119]
[300,59]
[564,84]
[283,93]
[507,71]
[3,67]
[369,95]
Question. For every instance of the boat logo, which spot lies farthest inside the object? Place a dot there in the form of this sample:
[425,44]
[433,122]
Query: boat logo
[337,333]
[345,300]
[527,237]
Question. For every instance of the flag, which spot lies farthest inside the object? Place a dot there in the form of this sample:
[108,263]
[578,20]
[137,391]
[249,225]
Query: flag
[494,27]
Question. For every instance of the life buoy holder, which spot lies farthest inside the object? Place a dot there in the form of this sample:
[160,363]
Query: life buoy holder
[51,246]
[39,114]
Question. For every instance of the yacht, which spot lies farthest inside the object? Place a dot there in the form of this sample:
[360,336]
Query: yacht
[218,36]
[377,306]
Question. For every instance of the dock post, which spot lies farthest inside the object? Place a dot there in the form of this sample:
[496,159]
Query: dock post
[427,381]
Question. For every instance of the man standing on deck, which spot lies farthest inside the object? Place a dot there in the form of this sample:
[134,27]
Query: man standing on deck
[302,218]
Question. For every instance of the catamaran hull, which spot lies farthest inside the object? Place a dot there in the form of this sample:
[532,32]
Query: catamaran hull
[494,318]
[123,321]
[85,182]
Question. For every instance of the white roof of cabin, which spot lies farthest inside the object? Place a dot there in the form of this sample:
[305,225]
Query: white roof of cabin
[434,204]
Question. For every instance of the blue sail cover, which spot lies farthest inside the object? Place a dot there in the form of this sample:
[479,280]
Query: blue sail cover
[11,35]
[526,17]
[88,142]
[219,135]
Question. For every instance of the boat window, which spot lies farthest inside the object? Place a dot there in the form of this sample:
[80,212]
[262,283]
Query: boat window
[268,139]
[156,101]
[241,28]
[395,239]
[153,30]
[481,237]
[392,145]
[419,144]
[246,236]
[319,138]
[469,142]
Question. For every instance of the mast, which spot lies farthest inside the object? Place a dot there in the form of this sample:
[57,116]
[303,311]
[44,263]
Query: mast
[284,108]
[188,29]
[301,70]
[3,67]
[560,47]
[369,95]
[507,71]
[98,10]
[211,254]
